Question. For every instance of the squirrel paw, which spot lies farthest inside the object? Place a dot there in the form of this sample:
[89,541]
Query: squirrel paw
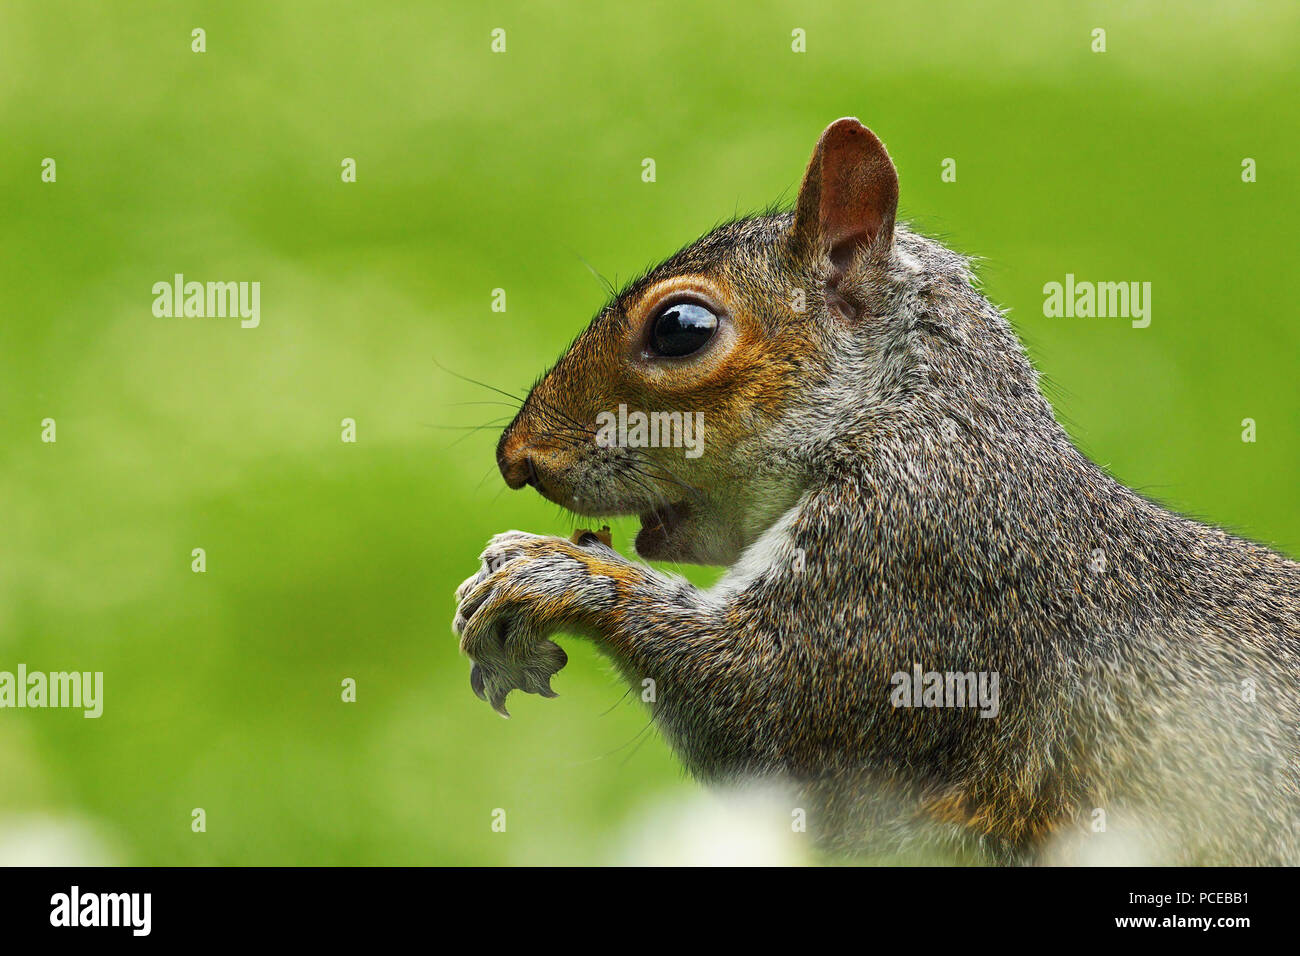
[527,588]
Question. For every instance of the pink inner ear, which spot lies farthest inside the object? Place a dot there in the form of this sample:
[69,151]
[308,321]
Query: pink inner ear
[859,190]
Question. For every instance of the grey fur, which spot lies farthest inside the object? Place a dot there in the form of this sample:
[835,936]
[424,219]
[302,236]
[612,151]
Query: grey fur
[943,517]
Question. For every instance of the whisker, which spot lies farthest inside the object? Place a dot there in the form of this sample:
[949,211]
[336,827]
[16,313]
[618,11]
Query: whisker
[471,431]
[464,427]
[573,422]
[610,710]
[639,743]
[492,469]
[608,286]
[474,381]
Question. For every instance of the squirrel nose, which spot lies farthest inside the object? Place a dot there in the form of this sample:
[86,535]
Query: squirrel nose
[517,466]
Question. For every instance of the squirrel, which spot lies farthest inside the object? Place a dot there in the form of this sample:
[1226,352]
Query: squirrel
[893,499]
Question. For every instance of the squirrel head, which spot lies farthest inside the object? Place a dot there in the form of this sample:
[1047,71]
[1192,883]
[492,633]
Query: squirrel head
[674,404]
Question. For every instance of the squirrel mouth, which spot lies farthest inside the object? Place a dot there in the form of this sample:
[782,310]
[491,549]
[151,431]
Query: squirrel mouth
[657,528]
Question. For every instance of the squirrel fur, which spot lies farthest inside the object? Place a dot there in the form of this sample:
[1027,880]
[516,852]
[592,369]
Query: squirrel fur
[889,489]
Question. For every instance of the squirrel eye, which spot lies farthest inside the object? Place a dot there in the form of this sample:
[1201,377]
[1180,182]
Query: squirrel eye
[682,328]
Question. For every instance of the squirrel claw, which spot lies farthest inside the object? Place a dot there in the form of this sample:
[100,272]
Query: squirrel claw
[505,612]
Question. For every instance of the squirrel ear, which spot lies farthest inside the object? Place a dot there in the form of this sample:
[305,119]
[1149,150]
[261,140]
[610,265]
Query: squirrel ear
[848,198]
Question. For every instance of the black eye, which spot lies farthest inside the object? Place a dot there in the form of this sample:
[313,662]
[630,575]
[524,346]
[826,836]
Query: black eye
[682,329]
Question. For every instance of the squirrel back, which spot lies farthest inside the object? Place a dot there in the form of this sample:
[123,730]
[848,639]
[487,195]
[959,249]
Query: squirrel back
[909,532]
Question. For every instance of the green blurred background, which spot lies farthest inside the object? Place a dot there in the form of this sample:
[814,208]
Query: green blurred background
[479,171]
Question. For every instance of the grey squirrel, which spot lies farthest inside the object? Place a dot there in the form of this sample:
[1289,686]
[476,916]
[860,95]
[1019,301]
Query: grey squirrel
[894,500]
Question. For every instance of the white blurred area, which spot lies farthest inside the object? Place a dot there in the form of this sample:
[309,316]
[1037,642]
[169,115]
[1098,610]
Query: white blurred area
[42,840]
[1129,841]
[754,827]
[718,828]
